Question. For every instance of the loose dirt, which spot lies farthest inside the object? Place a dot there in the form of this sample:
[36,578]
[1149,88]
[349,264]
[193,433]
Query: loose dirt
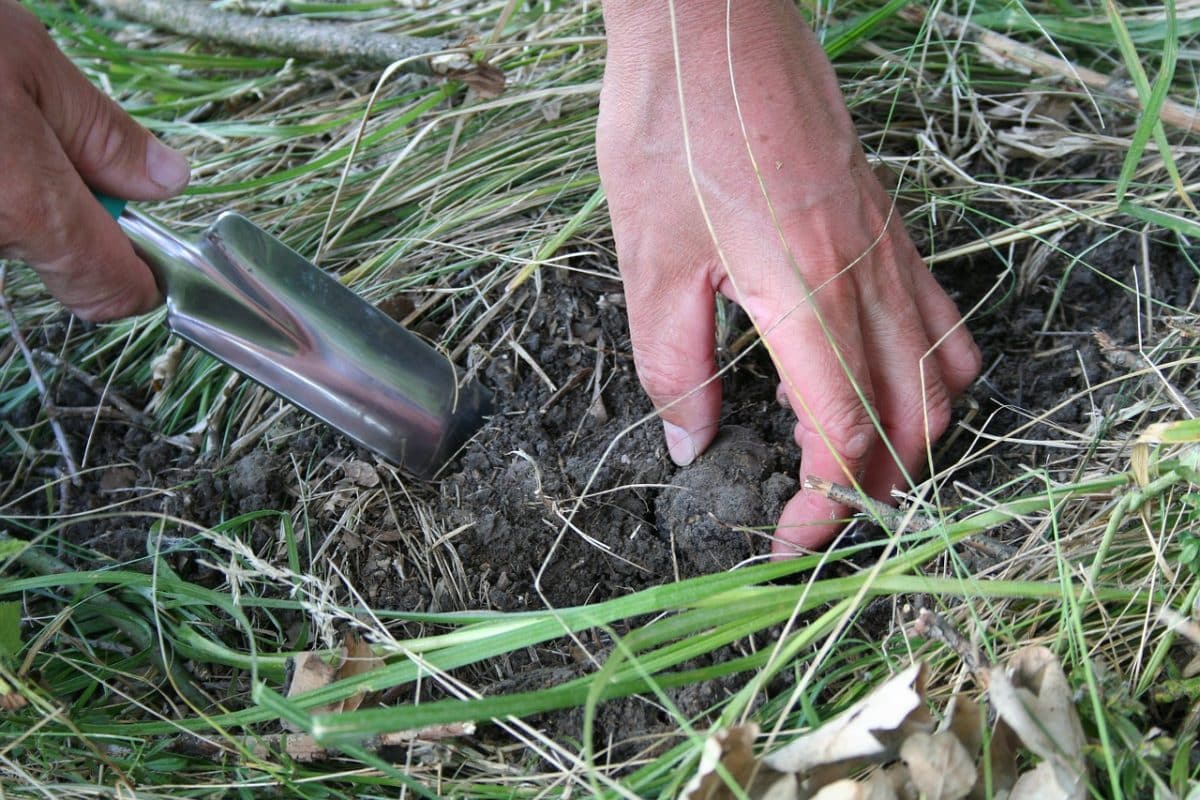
[567,496]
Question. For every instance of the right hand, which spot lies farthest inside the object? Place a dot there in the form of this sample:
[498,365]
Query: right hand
[59,135]
[887,339]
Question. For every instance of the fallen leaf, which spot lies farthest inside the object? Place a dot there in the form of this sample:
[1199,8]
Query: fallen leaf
[1002,759]
[1033,697]
[360,659]
[879,787]
[164,365]
[10,698]
[733,749]
[870,730]
[964,719]
[845,789]
[939,765]
[1040,783]
[313,671]
[486,79]
[360,473]
[1192,668]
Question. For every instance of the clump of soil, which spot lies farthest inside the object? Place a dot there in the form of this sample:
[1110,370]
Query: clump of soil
[716,505]
[577,487]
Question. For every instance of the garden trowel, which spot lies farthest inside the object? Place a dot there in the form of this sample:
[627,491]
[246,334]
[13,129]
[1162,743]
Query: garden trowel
[243,296]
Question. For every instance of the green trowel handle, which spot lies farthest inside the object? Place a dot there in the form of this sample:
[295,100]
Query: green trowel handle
[112,205]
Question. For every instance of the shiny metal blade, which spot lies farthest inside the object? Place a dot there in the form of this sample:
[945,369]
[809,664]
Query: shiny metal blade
[243,296]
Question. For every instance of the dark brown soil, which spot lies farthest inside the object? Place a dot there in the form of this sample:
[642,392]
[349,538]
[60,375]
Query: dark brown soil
[519,534]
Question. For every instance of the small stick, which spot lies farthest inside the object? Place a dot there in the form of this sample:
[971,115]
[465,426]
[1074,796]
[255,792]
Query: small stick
[51,412]
[106,394]
[286,36]
[570,384]
[1130,359]
[891,517]
[929,625]
[1010,51]
[304,748]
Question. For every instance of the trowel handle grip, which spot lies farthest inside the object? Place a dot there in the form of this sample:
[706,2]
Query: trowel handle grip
[160,249]
[113,205]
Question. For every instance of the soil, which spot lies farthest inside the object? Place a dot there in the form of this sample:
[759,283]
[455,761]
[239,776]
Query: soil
[510,530]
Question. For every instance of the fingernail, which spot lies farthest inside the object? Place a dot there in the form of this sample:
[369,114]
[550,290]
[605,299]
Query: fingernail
[166,167]
[679,444]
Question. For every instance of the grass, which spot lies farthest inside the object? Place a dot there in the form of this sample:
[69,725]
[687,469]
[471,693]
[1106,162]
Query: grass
[139,674]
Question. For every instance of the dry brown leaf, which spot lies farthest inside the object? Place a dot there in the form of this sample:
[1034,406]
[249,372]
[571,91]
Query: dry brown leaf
[360,473]
[10,699]
[939,765]
[360,659]
[486,79]
[312,671]
[164,365]
[1192,668]
[878,787]
[1033,697]
[964,719]
[1040,783]
[300,746]
[733,748]
[433,733]
[1002,760]
[870,730]
[845,789]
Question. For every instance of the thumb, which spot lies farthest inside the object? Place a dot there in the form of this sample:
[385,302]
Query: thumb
[111,151]
[672,330]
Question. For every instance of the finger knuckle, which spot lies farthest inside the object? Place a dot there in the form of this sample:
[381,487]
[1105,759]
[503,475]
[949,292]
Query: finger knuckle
[665,372]
[930,409]
[847,425]
[105,143]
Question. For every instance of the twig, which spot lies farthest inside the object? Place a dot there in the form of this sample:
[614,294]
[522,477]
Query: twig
[47,403]
[890,517]
[304,748]
[105,393]
[1009,51]
[1130,359]
[286,36]
[929,625]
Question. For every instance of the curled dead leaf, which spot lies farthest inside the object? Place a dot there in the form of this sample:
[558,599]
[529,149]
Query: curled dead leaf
[360,473]
[731,751]
[1032,696]
[360,659]
[870,730]
[311,671]
[939,765]
[164,365]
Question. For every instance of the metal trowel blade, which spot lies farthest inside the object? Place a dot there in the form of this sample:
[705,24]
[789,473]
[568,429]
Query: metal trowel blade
[243,296]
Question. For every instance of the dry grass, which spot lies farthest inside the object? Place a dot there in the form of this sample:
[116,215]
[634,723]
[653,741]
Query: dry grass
[419,189]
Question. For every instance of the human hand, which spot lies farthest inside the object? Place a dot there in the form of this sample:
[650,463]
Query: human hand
[878,332]
[60,135]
